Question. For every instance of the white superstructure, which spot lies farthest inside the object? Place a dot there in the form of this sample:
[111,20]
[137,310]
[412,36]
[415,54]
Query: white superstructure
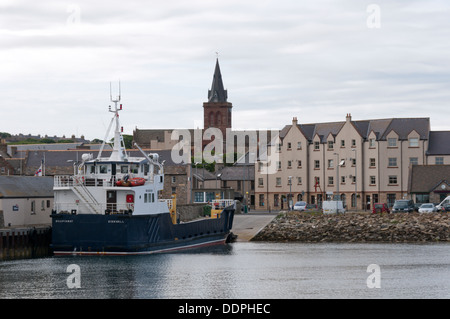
[117,184]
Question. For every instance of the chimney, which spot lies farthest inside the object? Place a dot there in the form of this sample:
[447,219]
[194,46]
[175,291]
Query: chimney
[348,118]
[294,120]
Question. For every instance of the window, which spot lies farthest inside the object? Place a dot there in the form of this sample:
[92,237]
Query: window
[210,196]
[316,146]
[299,145]
[393,180]
[316,164]
[330,163]
[414,142]
[134,168]
[342,179]
[353,143]
[392,162]
[289,145]
[375,198]
[174,190]
[373,180]
[330,180]
[342,143]
[276,200]
[260,181]
[278,165]
[299,163]
[330,145]
[103,169]
[289,165]
[299,180]
[353,179]
[174,179]
[278,181]
[439,161]
[422,198]
[317,180]
[124,169]
[33,207]
[413,160]
[353,161]
[390,199]
[261,199]
[278,147]
[371,142]
[372,162]
[260,166]
[392,142]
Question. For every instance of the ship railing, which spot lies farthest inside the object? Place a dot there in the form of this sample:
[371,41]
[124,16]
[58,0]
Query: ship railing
[81,208]
[63,180]
[222,203]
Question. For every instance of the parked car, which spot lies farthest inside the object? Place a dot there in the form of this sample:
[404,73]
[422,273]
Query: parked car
[403,206]
[300,206]
[380,208]
[445,208]
[427,208]
[417,206]
[311,207]
[441,206]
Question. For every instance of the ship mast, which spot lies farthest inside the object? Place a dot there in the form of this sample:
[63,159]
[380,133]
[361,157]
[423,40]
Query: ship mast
[119,151]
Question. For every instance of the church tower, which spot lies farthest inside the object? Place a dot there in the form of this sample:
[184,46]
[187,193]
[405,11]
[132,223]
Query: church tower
[217,111]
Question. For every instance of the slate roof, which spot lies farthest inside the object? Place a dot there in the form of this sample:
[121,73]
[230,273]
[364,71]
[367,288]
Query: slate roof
[26,186]
[217,92]
[425,178]
[439,143]
[236,173]
[67,158]
[381,127]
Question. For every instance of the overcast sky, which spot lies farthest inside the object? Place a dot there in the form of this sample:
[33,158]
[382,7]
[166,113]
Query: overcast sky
[316,60]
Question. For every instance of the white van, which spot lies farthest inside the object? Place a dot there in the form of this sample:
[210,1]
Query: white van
[333,207]
[443,203]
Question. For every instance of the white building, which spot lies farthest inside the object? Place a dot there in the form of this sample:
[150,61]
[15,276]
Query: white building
[25,200]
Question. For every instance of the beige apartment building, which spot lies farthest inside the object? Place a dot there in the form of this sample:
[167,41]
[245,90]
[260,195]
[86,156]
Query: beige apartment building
[369,158]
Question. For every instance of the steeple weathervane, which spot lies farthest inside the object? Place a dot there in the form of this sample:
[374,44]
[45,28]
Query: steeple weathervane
[217,92]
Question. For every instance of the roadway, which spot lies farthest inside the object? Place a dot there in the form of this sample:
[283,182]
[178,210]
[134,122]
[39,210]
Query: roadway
[246,226]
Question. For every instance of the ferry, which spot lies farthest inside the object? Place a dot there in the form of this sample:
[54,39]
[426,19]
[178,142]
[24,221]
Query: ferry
[111,206]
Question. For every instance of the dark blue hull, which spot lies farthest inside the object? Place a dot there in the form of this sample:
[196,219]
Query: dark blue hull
[121,234]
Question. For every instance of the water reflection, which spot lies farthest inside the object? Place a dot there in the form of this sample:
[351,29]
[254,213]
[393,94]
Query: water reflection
[241,270]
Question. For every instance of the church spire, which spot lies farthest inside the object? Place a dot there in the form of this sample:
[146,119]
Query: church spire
[217,92]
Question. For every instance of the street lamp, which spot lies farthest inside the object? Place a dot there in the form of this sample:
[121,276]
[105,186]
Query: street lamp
[356,188]
[290,193]
[337,176]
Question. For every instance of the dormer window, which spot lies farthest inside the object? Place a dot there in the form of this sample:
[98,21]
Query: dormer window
[392,142]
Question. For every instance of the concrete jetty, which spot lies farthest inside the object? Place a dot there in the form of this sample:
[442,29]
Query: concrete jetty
[246,226]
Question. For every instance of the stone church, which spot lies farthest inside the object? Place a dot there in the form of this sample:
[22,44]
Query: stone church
[217,113]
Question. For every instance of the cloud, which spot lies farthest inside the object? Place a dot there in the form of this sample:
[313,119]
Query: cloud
[316,60]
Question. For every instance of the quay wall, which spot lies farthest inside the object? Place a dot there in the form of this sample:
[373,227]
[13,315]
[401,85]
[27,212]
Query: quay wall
[357,227]
[26,242]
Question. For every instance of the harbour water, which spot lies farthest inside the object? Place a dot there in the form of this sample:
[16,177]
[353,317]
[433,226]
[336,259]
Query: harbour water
[241,270]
